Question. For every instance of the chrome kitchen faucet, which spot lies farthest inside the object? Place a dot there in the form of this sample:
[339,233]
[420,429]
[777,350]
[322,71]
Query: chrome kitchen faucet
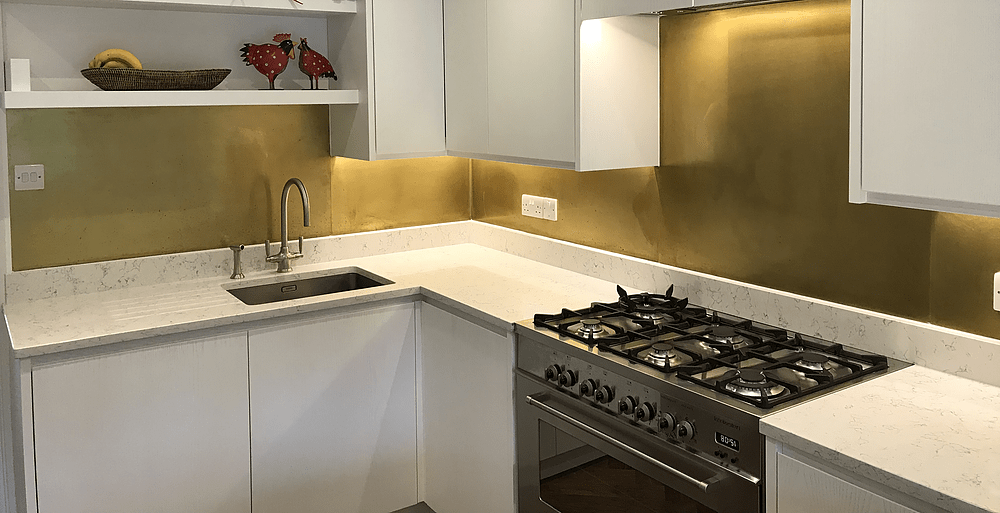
[284,256]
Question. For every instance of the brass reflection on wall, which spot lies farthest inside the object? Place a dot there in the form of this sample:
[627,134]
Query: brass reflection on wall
[754,168]
[144,181]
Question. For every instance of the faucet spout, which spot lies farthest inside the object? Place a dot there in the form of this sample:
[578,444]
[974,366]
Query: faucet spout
[284,255]
[284,207]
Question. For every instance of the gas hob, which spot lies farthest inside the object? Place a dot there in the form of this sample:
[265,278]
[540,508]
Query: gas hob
[721,356]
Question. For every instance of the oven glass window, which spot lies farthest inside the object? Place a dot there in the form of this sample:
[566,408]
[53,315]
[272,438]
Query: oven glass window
[577,478]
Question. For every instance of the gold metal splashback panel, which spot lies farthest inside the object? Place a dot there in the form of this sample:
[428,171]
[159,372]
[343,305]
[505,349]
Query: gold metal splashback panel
[754,167]
[965,252]
[599,209]
[388,194]
[143,181]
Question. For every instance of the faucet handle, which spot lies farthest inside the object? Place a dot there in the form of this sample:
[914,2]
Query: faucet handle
[300,245]
[237,267]
[268,257]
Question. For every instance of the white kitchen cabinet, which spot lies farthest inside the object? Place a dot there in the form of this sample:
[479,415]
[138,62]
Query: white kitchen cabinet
[467,412]
[925,105]
[797,483]
[530,73]
[392,52]
[509,67]
[153,428]
[333,413]
[592,9]
[526,83]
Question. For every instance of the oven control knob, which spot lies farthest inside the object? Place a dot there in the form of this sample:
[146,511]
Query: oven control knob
[684,430]
[605,394]
[587,387]
[645,413]
[627,405]
[667,423]
[567,378]
[552,373]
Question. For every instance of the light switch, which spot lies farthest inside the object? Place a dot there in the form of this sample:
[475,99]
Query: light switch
[29,177]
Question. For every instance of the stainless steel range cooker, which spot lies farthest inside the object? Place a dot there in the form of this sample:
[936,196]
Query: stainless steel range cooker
[650,404]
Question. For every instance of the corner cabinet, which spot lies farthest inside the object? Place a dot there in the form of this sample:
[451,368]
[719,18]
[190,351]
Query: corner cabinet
[533,83]
[797,482]
[467,415]
[925,105]
[403,116]
[153,428]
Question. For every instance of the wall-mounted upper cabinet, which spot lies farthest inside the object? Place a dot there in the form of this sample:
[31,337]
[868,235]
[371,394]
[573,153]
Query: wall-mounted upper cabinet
[392,53]
[531,82]
[925,105]
[591,9]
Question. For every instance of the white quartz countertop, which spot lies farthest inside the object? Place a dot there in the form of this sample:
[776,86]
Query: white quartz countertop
[927,434]
[495,287]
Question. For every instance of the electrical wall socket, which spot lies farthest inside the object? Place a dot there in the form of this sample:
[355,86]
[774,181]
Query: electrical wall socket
[537,206]
[29,177]
[996,292]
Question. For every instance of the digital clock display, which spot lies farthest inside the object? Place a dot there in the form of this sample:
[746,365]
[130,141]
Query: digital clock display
[726,441]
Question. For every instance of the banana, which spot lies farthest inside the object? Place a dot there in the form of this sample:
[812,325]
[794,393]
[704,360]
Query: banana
[115,58]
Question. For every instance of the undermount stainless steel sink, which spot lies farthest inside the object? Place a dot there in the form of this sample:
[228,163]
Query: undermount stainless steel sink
[354,279]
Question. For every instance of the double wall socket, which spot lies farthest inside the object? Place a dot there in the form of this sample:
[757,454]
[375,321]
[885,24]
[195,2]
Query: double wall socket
[537,206]
[996,292]
[29,177]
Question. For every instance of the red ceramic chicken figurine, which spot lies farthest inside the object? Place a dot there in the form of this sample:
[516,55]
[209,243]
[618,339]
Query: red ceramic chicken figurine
[270,60]
[314,65]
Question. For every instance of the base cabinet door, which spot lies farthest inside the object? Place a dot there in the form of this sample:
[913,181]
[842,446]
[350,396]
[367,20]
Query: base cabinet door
[467,415]
[801,487]
[156,429]
[333,413]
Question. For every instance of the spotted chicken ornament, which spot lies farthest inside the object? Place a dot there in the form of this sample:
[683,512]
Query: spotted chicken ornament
[314,65]
[270,60]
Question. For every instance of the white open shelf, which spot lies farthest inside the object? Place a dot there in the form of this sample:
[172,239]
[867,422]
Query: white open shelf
[90,99]
[309,8]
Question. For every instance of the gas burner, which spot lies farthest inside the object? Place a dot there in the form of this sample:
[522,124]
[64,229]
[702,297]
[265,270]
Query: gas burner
[653,316]
[591,329]
[753,383]
[697,346]
[726,335]
[648,306]
[664,355]
[812,361]
[821,363]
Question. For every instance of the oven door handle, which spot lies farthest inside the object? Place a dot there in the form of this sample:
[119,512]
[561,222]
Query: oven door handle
[536,401]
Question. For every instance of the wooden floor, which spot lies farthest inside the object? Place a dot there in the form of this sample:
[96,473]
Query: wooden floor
[421,507]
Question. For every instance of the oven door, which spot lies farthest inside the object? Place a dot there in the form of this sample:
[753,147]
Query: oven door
[573,458]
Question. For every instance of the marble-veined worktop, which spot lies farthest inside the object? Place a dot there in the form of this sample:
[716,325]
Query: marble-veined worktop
[918,430]
[927,434]
[494,287]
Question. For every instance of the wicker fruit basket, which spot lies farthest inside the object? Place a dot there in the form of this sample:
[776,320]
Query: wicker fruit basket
[127,79]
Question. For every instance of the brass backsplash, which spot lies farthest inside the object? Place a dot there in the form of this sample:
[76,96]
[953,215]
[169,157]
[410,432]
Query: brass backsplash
[143,181]
[965,252]
[754,167]
[752,183]
[370,196]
